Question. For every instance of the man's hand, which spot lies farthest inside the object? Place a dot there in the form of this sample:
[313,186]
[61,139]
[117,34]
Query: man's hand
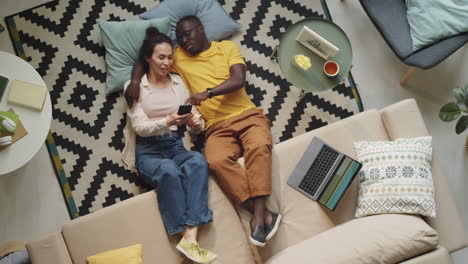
[197,98]
[178,120]
[133,90]
[132,93]
[195,123]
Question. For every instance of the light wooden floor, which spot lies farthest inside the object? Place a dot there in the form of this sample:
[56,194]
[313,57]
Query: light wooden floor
[31,202]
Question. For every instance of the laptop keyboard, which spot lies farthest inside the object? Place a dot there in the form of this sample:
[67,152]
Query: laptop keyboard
[318,170]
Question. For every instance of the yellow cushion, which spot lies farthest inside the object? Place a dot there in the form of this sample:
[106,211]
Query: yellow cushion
[127,255]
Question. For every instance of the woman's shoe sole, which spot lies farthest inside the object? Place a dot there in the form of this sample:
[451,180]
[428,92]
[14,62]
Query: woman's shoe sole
[275,228]
[189,257]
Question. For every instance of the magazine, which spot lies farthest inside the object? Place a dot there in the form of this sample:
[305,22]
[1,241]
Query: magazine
[313,41]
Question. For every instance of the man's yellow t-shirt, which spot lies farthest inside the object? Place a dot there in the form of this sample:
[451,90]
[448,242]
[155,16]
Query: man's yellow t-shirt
[208,69]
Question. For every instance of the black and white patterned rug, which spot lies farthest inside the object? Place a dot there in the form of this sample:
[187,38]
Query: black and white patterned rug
[62,40]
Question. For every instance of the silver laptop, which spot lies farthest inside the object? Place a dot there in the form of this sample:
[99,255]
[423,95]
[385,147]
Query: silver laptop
[323,173]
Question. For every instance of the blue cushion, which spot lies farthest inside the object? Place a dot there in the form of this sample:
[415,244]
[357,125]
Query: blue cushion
[123,41]
[433,20]
[17,257]
[218,24]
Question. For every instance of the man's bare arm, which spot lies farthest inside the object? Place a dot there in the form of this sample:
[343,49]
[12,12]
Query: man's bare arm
[133,90]
[235,82]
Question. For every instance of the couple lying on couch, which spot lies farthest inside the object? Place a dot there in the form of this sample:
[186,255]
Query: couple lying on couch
[214,73]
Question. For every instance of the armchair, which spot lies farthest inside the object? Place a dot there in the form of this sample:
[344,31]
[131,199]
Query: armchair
[389,17]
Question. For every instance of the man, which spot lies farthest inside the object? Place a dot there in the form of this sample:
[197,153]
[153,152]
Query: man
[214,72]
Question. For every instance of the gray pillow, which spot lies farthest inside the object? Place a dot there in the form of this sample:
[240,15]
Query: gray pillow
[122,41]
[433,20]
[16,257]
[218,24]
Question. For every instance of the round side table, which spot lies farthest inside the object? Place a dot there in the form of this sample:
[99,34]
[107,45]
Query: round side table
[314,79]
[36,123]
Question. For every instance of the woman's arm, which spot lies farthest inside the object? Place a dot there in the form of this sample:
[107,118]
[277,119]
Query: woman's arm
[143,126]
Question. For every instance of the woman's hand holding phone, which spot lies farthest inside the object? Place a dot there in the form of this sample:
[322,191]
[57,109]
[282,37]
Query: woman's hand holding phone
[177,120]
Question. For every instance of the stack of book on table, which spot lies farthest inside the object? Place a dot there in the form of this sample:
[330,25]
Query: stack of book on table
[21,93]
[24,94]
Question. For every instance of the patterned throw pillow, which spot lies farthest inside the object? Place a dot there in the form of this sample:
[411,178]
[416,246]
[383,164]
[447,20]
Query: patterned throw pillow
[396,177]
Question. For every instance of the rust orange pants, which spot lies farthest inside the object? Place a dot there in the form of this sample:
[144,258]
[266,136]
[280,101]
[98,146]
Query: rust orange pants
[247,134]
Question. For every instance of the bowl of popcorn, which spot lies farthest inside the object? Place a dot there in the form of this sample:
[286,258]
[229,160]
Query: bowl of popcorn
[302,62]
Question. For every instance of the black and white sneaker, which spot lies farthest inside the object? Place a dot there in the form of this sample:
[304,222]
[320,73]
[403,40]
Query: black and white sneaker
[257,236]
[270,229]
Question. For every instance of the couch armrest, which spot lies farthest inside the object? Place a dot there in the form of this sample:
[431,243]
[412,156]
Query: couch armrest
[438,256]
[49,249]
[387,238]
[404,119]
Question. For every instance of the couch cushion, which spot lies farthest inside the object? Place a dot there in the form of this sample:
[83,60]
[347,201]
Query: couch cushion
[439,255]
[372,239]
[404,120]
[48,249]
[132,221]
[225,237]
[137,220]
[434,20]
[302,217]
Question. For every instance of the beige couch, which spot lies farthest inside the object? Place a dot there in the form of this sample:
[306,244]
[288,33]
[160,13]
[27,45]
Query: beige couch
[309,233]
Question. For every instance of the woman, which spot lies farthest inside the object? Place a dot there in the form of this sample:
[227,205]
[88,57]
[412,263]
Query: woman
[153,147]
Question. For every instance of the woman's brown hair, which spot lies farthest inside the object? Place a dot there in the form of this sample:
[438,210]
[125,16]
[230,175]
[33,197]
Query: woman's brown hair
[153,38]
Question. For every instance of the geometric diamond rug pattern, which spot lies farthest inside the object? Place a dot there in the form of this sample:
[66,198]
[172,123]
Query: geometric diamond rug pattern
[62,40]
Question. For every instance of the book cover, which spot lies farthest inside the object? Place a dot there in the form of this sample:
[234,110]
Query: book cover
[3,85]
[19,132]
[27,94]
[316,43]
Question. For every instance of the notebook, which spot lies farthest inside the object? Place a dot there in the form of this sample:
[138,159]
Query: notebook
[324,174]
[27,94]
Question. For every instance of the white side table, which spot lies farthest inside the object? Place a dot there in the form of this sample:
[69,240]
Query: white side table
[36,123]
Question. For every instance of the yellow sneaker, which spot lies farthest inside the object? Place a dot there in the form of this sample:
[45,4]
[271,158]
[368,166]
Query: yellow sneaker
[194,252]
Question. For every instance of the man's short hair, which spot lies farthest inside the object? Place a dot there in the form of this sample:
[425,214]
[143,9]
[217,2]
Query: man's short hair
[189,18]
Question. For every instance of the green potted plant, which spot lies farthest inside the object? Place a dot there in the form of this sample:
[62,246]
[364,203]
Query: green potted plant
[458,109]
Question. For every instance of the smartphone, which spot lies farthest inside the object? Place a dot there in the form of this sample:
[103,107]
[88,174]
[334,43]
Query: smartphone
[184,109]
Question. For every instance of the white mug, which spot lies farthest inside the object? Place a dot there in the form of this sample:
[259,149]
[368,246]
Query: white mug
[331,68]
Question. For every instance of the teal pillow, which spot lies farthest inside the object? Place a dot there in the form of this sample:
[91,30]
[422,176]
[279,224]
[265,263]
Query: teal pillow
[433,20]
[122,41]
[218,24]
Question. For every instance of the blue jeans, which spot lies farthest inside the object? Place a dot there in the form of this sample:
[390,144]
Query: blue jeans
[181,177]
